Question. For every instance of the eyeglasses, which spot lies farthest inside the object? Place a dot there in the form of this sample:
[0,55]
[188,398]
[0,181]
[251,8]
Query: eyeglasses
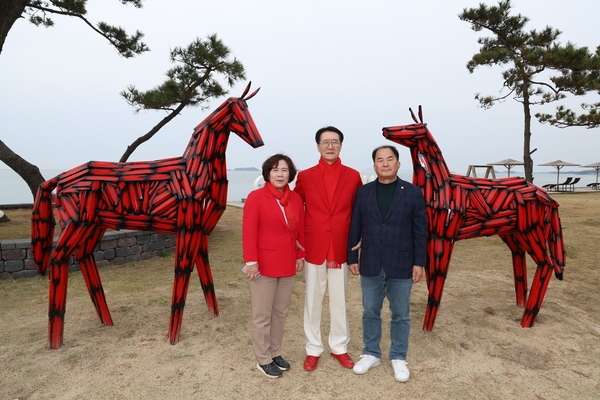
[327,143]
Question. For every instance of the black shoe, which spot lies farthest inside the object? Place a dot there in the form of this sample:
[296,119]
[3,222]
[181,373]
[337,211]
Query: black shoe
[281,363]
[270,370]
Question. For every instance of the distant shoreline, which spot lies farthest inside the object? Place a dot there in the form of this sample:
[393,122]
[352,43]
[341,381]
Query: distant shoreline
[245,169]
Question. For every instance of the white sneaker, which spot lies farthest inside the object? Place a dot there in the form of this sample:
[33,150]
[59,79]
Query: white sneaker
[401,372]
[365,363]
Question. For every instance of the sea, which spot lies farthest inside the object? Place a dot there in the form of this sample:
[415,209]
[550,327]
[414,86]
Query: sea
[13,189]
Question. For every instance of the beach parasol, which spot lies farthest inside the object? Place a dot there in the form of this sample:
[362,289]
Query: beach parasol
[558,164]
[508,163]
[596,166]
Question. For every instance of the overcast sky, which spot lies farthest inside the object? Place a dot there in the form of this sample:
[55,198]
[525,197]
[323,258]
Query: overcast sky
[357,65]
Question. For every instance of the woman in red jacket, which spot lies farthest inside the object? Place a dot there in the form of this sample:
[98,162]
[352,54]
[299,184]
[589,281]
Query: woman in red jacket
[273,239]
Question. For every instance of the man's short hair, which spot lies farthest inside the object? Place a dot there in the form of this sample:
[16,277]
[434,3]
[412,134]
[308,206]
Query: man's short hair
[329,129]
[386,146]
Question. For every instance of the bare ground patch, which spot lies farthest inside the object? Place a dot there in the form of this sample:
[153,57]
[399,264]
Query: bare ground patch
[477,349]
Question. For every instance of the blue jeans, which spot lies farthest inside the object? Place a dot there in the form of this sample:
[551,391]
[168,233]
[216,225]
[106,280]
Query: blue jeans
[374,289]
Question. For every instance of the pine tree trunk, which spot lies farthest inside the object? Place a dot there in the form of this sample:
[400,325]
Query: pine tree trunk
[10,12]
[527,160]
[29,172]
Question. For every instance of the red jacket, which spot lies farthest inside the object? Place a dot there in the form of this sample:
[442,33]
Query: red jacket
[265,234]
[324,222]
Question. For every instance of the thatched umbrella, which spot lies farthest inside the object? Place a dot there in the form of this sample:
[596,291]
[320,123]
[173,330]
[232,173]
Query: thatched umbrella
[558,164]
[596,166]
[508,163]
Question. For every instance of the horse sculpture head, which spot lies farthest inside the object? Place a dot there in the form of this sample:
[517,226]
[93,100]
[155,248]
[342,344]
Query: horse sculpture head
[409,135]
[242,123]
[231,116]
[423,148]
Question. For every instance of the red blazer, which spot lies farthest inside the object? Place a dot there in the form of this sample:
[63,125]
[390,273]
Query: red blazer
[324,222]
[266,237]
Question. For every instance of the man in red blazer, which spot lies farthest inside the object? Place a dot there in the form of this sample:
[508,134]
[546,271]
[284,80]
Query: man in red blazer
[327,190]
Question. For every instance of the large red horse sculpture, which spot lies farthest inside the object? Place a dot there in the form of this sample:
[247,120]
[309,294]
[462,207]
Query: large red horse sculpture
[184,196]
[461,207]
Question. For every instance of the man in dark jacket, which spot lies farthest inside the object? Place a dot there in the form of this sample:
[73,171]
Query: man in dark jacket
[390,222]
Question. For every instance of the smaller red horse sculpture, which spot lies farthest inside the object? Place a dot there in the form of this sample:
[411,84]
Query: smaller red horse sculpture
[184,196]
[461,207]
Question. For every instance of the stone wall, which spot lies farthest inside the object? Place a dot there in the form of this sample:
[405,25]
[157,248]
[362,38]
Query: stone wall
[115,248]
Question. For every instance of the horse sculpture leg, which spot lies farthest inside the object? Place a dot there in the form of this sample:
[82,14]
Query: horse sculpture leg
[439,251]
[89,271]
[205,274]
[42,226]
[519,268]
[557,246]
[541,278]
[186,247]
[68,241]
[540,282]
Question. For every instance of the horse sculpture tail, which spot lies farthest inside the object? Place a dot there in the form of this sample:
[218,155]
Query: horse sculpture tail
[42,225]
[557,246]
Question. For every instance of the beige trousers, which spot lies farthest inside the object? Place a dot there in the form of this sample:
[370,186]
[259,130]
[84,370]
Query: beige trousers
[270,302]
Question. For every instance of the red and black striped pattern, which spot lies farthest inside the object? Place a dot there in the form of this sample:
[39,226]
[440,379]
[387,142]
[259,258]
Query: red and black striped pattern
[461,207]
[184,196]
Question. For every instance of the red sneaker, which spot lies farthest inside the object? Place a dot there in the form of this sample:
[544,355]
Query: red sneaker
[344,360]
[310,363]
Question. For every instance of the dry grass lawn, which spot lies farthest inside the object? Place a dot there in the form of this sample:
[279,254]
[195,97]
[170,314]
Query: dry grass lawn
[477,349]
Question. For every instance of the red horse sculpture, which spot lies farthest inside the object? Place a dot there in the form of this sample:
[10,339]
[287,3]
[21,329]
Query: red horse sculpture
[184,196]
[461,207]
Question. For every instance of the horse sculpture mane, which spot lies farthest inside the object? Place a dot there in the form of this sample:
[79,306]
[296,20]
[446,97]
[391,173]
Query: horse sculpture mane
[184,196]
[461,207]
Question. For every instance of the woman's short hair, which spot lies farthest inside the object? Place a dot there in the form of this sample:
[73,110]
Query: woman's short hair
[273,161]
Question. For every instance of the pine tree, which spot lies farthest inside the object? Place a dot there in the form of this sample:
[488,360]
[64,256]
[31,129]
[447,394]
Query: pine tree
[530,57]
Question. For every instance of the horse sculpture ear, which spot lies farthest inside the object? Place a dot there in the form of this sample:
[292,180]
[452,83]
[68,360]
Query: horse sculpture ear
[412,114]
[414,117]
[251,95]
[243,96]
[246,90]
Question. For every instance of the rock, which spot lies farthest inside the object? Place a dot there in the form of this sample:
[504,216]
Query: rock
[3,217]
